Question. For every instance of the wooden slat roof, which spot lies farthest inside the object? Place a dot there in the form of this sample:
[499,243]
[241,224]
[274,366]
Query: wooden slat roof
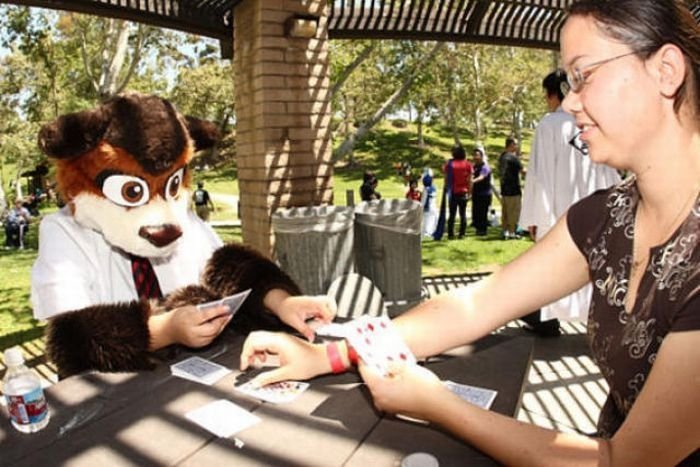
[531,23]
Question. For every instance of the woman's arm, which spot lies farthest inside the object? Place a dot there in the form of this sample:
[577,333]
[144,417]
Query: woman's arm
[551,269]
[662,428]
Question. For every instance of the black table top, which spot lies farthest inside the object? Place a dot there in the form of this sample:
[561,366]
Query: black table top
[138,418]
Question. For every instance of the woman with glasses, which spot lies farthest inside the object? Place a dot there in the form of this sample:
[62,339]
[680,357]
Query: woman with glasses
[634,72]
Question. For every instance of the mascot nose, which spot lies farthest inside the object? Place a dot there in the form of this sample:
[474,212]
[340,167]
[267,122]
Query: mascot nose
[160,235]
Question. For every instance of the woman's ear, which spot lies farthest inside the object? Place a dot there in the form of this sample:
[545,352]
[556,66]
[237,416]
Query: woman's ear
[670,65]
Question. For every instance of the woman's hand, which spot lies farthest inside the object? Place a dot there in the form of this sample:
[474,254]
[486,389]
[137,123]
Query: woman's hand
[295,311]
[188,326]
[408,390]
[299,360]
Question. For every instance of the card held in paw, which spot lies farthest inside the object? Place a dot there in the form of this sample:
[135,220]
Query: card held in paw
[378,343]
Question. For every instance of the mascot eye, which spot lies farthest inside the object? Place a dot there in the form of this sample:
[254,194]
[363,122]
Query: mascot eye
[125,190]
[172,188]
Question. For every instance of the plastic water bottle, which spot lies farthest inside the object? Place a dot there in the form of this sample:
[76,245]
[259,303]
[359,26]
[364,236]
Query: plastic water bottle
[29,411]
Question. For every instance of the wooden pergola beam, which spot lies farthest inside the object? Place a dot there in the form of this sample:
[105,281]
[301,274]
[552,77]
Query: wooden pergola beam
[529,23]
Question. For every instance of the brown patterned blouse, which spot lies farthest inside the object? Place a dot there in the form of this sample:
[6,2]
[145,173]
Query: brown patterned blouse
[625,345]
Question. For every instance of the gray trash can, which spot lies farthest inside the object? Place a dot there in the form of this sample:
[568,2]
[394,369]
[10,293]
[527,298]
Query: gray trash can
[388,249]
[314,245]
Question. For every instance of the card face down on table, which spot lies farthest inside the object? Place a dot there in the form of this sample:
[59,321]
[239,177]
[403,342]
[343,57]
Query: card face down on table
[199,370]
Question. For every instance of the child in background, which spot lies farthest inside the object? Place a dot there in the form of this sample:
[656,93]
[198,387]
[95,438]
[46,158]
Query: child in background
[413,192]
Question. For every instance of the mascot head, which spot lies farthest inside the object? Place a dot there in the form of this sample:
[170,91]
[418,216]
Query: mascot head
[122,169]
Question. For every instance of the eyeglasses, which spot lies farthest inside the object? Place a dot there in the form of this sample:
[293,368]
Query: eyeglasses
[579,145]
[577,77]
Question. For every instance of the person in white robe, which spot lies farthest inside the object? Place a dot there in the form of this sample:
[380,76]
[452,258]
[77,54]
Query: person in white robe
[428,201]
[559,174]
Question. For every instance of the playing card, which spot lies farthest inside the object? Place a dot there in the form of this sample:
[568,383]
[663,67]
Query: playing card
[223,418]
[233,302]
[473,394]
[332,330]
[378,343]
[277,393]
[199,370]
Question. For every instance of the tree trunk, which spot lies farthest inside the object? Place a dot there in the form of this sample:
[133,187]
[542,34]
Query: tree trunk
[517,129]
[112,59]
[350,141]
[419,127]
[3,196]
[361,57]
[452,121]
[478,126]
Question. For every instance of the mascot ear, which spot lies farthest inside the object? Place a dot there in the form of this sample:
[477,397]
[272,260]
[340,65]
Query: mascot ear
[73,134]
[204,133]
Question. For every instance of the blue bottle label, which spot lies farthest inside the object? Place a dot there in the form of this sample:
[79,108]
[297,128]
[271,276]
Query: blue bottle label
[28,408]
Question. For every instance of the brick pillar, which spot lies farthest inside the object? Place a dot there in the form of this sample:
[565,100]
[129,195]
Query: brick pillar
[283,146]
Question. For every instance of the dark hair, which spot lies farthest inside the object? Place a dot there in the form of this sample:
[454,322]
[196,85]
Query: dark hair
[552,83]
[510,140]
[458,153]
[645,26]
[368,176]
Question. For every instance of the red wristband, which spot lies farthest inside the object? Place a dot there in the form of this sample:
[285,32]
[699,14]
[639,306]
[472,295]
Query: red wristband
[352,354]
[337,365]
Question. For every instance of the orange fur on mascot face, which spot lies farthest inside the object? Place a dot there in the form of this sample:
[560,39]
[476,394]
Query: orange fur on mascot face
[122,169]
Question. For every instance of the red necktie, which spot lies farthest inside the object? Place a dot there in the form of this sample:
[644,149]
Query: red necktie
[145,278]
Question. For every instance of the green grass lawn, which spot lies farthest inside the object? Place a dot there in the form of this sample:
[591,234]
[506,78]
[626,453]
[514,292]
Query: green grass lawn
[385,146]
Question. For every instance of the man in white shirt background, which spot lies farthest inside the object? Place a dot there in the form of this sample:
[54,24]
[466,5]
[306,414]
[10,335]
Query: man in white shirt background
[559,174]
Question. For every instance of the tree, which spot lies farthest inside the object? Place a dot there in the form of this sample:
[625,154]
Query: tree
[412,72]
[205,90]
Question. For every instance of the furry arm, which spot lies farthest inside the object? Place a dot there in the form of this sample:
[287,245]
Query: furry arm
[115,337]
[234,268]
[101,337]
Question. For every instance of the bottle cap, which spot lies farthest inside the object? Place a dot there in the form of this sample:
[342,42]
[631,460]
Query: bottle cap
[14,356]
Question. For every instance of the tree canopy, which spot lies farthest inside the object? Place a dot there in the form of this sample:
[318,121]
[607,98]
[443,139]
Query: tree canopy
[57,62]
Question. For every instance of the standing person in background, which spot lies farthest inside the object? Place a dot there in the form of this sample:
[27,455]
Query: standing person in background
[558,175]
[510,168]
[202,202]
[481,192]
[458,184]
[368,190]
[428,201]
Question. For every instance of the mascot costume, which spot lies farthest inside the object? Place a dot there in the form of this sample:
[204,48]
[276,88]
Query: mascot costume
[122,265]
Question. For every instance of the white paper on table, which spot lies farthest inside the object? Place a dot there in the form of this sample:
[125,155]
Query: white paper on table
[223,418]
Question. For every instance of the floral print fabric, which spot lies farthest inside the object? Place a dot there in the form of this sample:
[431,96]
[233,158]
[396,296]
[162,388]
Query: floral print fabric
[625,343]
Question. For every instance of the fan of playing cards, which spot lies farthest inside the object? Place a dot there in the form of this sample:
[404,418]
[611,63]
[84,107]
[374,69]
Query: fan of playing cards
[375,339]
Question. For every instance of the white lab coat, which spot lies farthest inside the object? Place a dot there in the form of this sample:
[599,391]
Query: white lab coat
[77,268]
[558,175]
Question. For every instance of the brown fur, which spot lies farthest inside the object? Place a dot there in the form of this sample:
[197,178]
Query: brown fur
[102,337]
[234,268]
[146,127]
[115,337]
[142,136]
